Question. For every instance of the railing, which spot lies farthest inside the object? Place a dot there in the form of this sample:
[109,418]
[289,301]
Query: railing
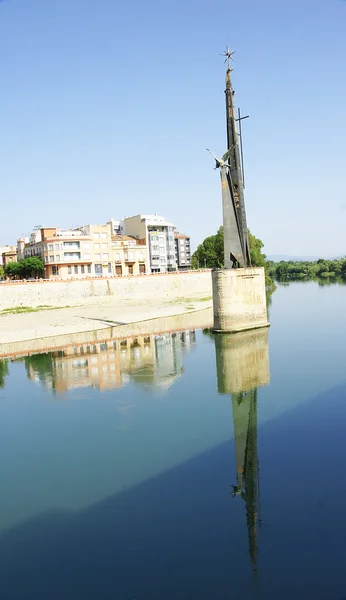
[89,277]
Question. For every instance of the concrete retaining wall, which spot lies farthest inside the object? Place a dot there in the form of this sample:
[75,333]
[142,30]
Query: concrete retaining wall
[199,319]
[80,292]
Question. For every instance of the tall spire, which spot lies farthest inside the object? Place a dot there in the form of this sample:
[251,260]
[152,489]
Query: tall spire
[235,169]
[236,242]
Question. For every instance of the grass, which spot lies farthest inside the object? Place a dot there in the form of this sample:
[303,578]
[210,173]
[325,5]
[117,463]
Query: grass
[190,301]
[28,309]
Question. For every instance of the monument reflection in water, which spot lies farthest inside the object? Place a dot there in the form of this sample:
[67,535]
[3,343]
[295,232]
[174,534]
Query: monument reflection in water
[242,363]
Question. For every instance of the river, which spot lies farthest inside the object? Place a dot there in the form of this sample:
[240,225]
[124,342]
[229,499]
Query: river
[180,466]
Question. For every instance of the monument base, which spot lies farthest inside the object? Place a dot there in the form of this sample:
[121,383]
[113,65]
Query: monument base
[239,299]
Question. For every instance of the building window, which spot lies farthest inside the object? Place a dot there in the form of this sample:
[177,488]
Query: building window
[109,267]
[130,269]
[55,270]
[96,246]
[51,258]
[57,257]
[89,268]
[86,256]
[104,246]
[97,256]
[98,269]
[105,256]
[71,244]
[50,246]
[117,257]
[56,246]
[82,269]
[141,256]
[96,236]
[87,245]
[76,269]
[104,236]
[69,270]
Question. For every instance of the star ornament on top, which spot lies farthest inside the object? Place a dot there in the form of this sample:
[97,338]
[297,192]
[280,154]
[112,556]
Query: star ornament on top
[228,54]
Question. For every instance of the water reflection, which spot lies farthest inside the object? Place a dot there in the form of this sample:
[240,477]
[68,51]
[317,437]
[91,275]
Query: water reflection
[3,371]
[242,363]
[152,361]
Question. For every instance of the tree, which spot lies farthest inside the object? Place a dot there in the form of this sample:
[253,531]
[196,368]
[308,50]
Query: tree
[2,272]
[33,266]
[13,270]
[210,254]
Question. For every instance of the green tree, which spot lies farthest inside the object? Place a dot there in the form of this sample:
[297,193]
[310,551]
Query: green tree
[13,270]
[210,254]
[2,272]
[33,266]
[331,269]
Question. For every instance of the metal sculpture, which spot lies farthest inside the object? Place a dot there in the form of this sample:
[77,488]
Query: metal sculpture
[236,241]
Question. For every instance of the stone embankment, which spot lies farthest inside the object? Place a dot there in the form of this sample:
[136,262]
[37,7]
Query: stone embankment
[96,309]
[163,286]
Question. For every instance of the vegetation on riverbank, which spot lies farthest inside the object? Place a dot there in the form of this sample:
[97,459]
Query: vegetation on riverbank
[290,269]
[210,254]
[17,310]
[32,266]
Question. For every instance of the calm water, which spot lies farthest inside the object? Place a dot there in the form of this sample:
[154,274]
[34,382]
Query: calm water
[181,467]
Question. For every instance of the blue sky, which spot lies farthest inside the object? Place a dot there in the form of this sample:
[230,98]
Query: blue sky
[107,108]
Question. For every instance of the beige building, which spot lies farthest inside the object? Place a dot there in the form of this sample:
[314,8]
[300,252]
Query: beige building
[129,255]
[89,251]
[7,254]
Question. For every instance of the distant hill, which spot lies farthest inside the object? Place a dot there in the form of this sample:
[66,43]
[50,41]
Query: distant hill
[286,257]
[279,257]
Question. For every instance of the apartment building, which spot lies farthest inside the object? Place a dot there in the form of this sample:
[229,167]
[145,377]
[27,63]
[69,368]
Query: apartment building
[89,251]
[159,240]
[129,255]
[182,251]
[7,254]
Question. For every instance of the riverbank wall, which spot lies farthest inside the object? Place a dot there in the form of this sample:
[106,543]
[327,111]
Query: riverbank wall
[164,286]
[199,319]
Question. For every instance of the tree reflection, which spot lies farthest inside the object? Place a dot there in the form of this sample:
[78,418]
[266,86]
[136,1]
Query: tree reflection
[3,371]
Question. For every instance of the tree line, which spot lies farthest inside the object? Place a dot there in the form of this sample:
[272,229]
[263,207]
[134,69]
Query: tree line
[210,255]
[25,268]
[307,269]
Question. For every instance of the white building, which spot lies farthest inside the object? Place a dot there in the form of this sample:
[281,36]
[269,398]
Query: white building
[158,236]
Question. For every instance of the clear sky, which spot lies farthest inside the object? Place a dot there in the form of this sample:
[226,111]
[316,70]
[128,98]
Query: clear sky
[107,108]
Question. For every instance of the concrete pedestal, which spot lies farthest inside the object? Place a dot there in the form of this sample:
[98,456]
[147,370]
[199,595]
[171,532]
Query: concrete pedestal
[239,299]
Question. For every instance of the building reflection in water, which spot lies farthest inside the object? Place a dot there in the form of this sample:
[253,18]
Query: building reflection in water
[242,363]
[151,361]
